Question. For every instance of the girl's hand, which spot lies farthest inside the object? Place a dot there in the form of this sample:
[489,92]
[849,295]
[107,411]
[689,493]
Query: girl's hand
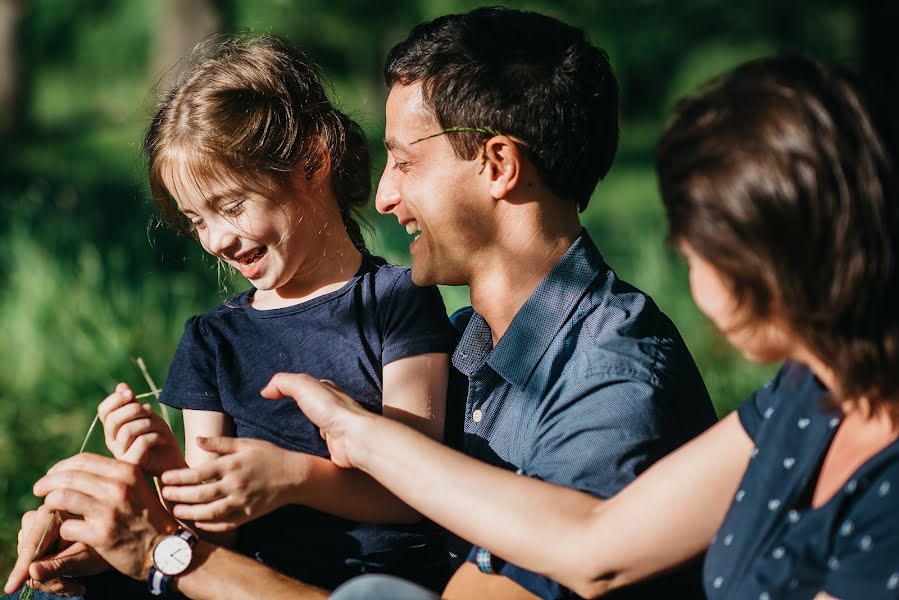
[136,435]
[248,479]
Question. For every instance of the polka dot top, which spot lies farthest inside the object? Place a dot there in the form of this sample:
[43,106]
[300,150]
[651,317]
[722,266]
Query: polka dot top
[772,544]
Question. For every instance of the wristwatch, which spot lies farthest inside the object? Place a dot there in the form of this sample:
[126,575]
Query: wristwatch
[171,555]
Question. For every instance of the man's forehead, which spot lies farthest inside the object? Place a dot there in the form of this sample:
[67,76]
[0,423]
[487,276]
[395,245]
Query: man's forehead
[407,116]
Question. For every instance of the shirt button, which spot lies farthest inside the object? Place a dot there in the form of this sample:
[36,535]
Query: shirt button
[477,416]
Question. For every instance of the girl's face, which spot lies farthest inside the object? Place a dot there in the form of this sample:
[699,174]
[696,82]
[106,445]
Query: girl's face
[267,239]
[762,340]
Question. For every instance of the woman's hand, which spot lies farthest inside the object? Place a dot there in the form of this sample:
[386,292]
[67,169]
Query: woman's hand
[136,435]
[248,479]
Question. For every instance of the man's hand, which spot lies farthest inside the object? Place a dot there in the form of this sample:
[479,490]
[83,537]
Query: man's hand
[119,512]
[136,435]
[337,416]
[249,478]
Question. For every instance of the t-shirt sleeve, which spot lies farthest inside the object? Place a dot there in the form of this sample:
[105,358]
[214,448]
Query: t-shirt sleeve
[756,409]
[414,321]
[865,557]
[191,382]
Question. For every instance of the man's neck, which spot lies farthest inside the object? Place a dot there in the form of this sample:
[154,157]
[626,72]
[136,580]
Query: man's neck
[500,288]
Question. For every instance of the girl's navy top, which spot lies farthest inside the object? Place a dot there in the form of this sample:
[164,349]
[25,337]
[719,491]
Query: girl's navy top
[226,357]
[772,543]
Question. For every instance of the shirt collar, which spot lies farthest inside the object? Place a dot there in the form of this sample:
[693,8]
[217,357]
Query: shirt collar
[538,321]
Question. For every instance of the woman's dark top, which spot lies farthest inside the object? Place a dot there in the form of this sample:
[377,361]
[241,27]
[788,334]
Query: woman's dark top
[772,544]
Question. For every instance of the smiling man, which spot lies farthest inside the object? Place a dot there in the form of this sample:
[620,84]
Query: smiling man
[500,123]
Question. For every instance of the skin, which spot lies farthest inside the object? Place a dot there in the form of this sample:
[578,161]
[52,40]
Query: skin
[220,482]
[589,545]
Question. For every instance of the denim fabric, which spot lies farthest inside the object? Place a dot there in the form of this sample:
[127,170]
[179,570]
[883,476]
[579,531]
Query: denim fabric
[381,587]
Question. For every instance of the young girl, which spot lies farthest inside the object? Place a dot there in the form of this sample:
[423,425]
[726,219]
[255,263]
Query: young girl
[247,155]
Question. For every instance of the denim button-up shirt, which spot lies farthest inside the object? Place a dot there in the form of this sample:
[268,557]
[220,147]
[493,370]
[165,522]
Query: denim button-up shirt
[590,385]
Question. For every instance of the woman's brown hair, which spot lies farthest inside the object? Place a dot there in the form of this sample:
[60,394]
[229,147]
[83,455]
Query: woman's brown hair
[782,175]
[251,111]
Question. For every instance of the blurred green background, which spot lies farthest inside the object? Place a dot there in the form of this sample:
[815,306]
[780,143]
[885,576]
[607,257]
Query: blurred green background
[92,282]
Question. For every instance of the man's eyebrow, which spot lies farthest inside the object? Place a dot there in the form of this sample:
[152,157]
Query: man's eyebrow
[393,145]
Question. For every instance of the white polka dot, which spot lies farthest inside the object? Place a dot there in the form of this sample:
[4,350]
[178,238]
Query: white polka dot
[773,504]
[847,528]
[866,543]
[719,581]
[755,452]
[714,538]
[729,539]
[764,596]
[789,462]
[740,495]
[768,412]
[779,552]
[794,583]
[793,516]
[803,422]
[833,422]
[884,489]
[851,485]
[833,563]
[893,581]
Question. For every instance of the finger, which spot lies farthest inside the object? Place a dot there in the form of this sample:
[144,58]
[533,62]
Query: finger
[313,397]
[102,466]
[76,560]
[194,476]
[229,523]
[283,385]
[218,444]
[118,419]
[59,587]
[85,532]
[120,397]
[193,494]
[34,523]
[138,452]
[72,501]
[98,487]
[214,511]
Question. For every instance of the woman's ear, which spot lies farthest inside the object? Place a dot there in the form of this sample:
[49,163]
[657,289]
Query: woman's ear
[503,165]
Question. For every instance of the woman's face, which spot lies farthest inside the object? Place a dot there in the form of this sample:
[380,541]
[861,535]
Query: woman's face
[761,340]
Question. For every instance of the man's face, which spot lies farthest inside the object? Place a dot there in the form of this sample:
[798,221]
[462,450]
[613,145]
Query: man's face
[435,195]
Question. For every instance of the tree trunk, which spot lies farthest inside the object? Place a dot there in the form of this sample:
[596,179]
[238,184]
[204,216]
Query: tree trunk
[180,26]
[12,107]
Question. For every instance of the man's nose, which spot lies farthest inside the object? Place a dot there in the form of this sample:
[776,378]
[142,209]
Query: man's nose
[387,197]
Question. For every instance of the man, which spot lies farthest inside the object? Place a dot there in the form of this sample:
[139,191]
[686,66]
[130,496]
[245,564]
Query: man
[500,124]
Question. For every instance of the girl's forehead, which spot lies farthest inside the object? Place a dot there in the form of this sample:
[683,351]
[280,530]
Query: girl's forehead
[200,185]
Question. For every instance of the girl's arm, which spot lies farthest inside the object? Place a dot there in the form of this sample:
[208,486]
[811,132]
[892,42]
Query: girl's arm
[203,423]
[249,478]
[666,516]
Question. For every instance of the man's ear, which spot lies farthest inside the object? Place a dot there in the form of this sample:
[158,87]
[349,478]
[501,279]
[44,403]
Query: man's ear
[503,164]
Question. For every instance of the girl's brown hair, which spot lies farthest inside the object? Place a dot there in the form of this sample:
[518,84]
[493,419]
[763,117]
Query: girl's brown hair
[782,175]
[252,111]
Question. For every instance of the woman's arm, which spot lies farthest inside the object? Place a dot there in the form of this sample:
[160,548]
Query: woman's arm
[249,478]
[666,516]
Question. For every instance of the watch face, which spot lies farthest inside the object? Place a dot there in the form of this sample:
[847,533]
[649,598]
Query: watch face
[172,555]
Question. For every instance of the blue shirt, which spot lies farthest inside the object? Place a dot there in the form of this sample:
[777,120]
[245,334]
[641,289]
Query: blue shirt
[228,354]
[772,544]
[590,385]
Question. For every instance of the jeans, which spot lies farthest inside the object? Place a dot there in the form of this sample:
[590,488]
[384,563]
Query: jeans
[382,587]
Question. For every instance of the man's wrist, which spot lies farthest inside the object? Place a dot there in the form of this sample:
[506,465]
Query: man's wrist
[359,439]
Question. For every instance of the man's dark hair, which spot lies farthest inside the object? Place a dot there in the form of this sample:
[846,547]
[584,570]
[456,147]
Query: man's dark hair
[782,175]
[521,74]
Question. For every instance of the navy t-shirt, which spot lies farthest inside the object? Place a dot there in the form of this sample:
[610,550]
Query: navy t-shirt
[226,357]
[772,544]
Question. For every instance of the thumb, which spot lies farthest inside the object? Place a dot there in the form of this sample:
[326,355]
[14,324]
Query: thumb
[293,385]
[218,444]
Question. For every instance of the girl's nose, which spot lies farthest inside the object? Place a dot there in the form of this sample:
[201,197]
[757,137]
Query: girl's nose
[220,236]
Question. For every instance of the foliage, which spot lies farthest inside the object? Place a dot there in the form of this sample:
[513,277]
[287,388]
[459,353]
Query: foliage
[89,284]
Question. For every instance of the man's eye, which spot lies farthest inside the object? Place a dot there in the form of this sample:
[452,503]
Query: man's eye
[401,165]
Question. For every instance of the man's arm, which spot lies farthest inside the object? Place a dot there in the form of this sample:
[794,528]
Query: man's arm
[121,518]
[667,516]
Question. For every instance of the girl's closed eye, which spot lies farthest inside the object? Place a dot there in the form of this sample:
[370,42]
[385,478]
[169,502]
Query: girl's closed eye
[233,209]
